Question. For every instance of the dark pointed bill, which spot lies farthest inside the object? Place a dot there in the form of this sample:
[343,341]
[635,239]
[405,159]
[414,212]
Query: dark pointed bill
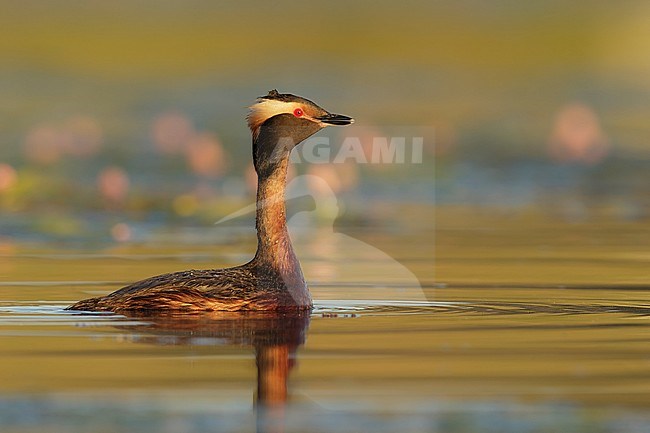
[336,119]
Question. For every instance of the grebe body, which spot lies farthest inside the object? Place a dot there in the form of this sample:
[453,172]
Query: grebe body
[273,279]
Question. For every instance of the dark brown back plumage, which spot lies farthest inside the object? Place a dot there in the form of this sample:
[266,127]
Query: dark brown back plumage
[242,288]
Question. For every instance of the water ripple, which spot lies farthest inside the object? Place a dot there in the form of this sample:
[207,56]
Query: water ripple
[483,308]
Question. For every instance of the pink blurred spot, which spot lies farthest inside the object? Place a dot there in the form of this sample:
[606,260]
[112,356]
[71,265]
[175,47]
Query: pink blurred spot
[339,177]
[171,132]
[84,136]
[113,184]
[365,135]
[121,232]
[8,177]
[577,136]
[80,136]
[44,144]
[205,156]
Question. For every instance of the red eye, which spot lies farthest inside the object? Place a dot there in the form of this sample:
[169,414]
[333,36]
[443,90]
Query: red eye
[298,112]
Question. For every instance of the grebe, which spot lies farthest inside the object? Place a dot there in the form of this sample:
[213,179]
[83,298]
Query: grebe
[272,280]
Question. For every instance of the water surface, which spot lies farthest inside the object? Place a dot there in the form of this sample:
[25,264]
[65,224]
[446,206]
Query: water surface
[509,325]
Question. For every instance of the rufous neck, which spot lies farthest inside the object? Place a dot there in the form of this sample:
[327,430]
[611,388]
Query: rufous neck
[273,242]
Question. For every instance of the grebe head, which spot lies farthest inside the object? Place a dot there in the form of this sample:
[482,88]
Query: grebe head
[280,121]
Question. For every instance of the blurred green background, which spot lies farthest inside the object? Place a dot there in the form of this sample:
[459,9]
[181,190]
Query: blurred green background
[114,114]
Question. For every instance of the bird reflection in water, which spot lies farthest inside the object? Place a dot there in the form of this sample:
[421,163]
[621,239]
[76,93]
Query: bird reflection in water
[274,336]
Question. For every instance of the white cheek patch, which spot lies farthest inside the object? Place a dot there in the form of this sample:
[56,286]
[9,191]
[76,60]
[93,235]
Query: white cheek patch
[267,108]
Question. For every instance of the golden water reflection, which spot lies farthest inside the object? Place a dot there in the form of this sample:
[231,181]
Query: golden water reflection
[275,338]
